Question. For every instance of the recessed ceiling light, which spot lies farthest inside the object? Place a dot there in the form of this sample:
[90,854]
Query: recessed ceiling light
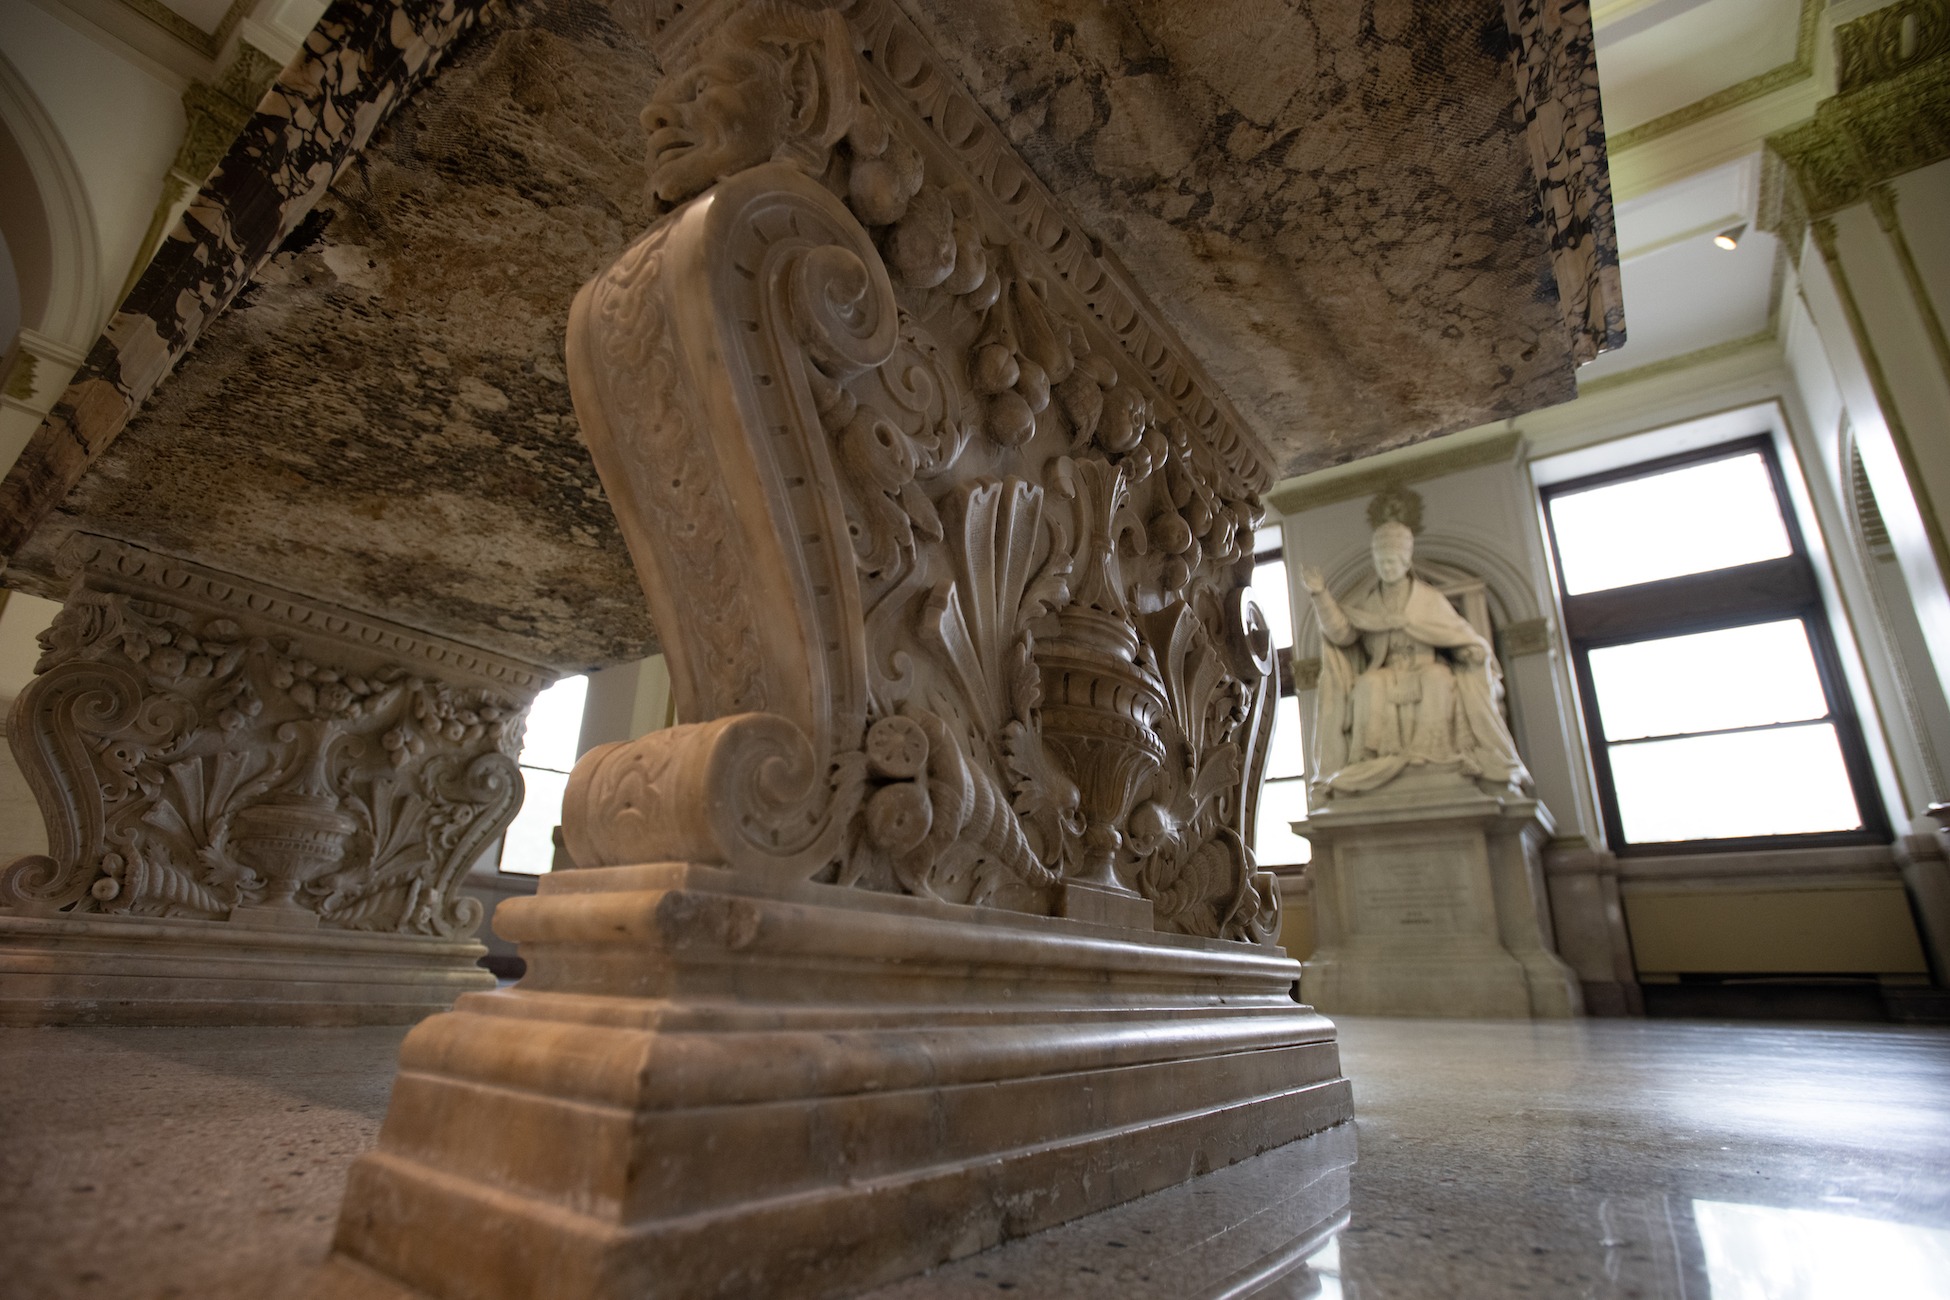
[1729,238]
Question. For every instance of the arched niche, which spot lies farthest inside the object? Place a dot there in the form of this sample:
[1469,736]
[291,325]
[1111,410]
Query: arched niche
[48,221]
[1465,570]
[1485,587]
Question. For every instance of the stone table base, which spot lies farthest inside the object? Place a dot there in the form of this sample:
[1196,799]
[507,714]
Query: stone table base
[114,971]
[706,1086]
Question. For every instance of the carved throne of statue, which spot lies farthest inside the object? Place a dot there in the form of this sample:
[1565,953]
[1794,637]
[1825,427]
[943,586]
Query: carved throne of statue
[938,924]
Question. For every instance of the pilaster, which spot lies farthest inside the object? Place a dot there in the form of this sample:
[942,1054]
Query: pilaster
[1831,184]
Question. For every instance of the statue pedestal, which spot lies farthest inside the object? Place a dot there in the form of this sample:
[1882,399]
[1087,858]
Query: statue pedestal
[709,1084]
[1429,901]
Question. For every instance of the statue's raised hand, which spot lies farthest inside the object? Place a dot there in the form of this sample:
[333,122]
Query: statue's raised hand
[1313,580]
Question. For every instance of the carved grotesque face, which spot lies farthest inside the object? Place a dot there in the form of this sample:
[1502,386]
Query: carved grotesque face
[1394,549]
[729,113]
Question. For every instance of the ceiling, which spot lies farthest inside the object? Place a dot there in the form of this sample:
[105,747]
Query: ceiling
[1657,58]
[1342,227]
[1683,292]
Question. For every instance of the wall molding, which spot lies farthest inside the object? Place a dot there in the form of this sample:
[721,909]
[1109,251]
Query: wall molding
[1425,460]
[1795,70]
[208,44]
[1684,361]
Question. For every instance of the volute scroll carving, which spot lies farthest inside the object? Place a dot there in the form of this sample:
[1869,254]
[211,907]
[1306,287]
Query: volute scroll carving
[953,590]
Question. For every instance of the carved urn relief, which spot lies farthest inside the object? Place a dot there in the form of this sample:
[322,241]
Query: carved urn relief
[1100,706]
[945,532]
[297,834]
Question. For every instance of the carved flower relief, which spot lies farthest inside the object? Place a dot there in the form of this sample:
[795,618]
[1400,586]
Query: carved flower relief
[1184,842]
[226,770]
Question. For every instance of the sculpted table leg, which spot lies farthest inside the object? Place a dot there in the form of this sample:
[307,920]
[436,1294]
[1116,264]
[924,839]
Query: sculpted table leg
[935,923]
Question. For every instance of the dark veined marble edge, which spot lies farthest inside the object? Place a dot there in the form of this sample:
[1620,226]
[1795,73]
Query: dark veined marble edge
[362,60]
[1555,62]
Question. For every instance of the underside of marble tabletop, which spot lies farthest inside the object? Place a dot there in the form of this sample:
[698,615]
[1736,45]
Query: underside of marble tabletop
[1336,205]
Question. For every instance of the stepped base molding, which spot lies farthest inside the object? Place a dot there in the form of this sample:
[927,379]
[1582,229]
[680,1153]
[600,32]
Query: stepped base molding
[61,971]
[1429,900]
[712,1086]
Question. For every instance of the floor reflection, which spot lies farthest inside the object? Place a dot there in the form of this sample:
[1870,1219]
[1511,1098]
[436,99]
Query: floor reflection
[1569,1161]
[1263,1229]
[1756,1252]
[1324,1266]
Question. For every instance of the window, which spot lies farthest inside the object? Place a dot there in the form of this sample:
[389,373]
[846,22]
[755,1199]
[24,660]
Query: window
[1711,688]
[1283,796]
[548,751]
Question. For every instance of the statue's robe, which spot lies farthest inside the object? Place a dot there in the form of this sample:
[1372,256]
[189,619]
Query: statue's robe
[1393,697]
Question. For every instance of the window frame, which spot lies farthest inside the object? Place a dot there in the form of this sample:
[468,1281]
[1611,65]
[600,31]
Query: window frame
[1284,687]
[501,846]
[1740,595]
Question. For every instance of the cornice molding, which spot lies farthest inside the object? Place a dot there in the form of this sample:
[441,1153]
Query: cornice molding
[1673,365]
[1429,460]
[1798,69]
[208,44]
[1885,43]
[1896,119]
[112,565]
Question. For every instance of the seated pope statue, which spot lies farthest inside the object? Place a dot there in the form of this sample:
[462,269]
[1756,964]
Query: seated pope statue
[1405,681]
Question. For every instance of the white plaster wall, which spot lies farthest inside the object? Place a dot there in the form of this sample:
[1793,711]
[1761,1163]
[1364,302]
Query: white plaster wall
[9,295]
[22,619]
[1923,206]
[1870,266]
[1910,703]
[626,701]
[121,119]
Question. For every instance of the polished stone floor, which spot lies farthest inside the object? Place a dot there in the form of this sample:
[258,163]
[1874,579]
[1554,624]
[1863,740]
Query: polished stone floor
[1651,1159]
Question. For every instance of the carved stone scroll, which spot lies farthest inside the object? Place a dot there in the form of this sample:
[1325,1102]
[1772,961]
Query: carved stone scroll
[947,540]
[207,748]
